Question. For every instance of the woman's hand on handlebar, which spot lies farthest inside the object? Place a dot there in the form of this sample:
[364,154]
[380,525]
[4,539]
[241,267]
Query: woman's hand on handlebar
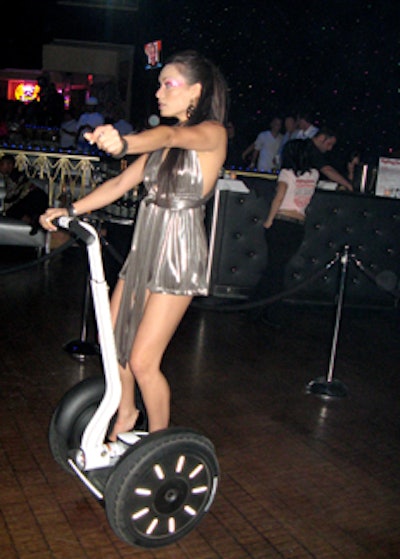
[46,219]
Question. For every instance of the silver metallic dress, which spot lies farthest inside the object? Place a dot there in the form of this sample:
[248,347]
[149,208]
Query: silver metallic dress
[169,249]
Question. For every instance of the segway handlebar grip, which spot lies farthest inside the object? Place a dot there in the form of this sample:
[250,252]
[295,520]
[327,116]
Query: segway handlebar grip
[76,227]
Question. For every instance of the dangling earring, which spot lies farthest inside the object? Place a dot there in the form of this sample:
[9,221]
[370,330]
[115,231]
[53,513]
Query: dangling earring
[190,110]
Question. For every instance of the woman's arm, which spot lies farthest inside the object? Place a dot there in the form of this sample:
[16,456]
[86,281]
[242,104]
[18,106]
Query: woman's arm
[112,189]
[206,136]
[276,203]
[101,196]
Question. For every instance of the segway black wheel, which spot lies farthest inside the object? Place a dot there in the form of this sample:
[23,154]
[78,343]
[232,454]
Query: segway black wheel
[71,417]
[162,488]
[73,414]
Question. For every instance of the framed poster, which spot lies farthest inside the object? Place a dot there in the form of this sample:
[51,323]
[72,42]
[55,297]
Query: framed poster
[152,51]
[388,180]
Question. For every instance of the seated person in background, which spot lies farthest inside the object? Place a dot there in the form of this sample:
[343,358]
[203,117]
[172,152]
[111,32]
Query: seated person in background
[68,130]
[24,200]
[284,226]
[123,126]
[115,114]
[88,121]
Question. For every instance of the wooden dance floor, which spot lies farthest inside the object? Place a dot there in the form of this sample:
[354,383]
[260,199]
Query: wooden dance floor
[302,476]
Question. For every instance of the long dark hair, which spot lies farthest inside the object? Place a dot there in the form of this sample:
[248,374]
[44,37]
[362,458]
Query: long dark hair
[212,104]
[213,98]
[297,157]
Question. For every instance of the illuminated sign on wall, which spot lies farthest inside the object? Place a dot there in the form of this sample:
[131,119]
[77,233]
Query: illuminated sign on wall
[24,91]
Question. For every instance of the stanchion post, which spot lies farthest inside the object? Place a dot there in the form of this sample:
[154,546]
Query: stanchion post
[328,386]
[81,348]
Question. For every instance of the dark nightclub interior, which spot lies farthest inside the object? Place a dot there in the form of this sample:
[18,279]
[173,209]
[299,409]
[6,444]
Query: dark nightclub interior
[291,424]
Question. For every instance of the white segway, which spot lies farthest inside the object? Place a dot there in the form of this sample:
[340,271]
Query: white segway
[155,487]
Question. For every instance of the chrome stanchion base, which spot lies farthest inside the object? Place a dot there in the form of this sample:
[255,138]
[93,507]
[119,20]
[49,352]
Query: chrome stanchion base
[81,349]
[327,389]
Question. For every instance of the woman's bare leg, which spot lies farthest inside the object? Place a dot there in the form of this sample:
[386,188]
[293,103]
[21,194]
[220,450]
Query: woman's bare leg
[116,300]
[127,411]
[163,313]
[161,318]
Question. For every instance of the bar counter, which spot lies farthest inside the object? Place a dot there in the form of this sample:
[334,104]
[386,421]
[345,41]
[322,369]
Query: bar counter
[369,225]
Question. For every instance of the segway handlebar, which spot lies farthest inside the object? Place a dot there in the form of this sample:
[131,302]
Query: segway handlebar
[83,231]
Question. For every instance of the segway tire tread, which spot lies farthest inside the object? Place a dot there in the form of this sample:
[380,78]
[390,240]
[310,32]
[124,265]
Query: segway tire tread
[162,487]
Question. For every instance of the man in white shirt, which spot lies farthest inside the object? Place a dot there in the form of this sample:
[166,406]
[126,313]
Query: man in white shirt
[306,129]
[266,147]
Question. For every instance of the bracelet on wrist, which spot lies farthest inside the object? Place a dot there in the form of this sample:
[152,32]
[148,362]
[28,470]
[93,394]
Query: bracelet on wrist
[123,151]
[71,210]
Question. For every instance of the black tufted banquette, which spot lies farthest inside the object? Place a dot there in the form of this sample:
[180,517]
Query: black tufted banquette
[368,224]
